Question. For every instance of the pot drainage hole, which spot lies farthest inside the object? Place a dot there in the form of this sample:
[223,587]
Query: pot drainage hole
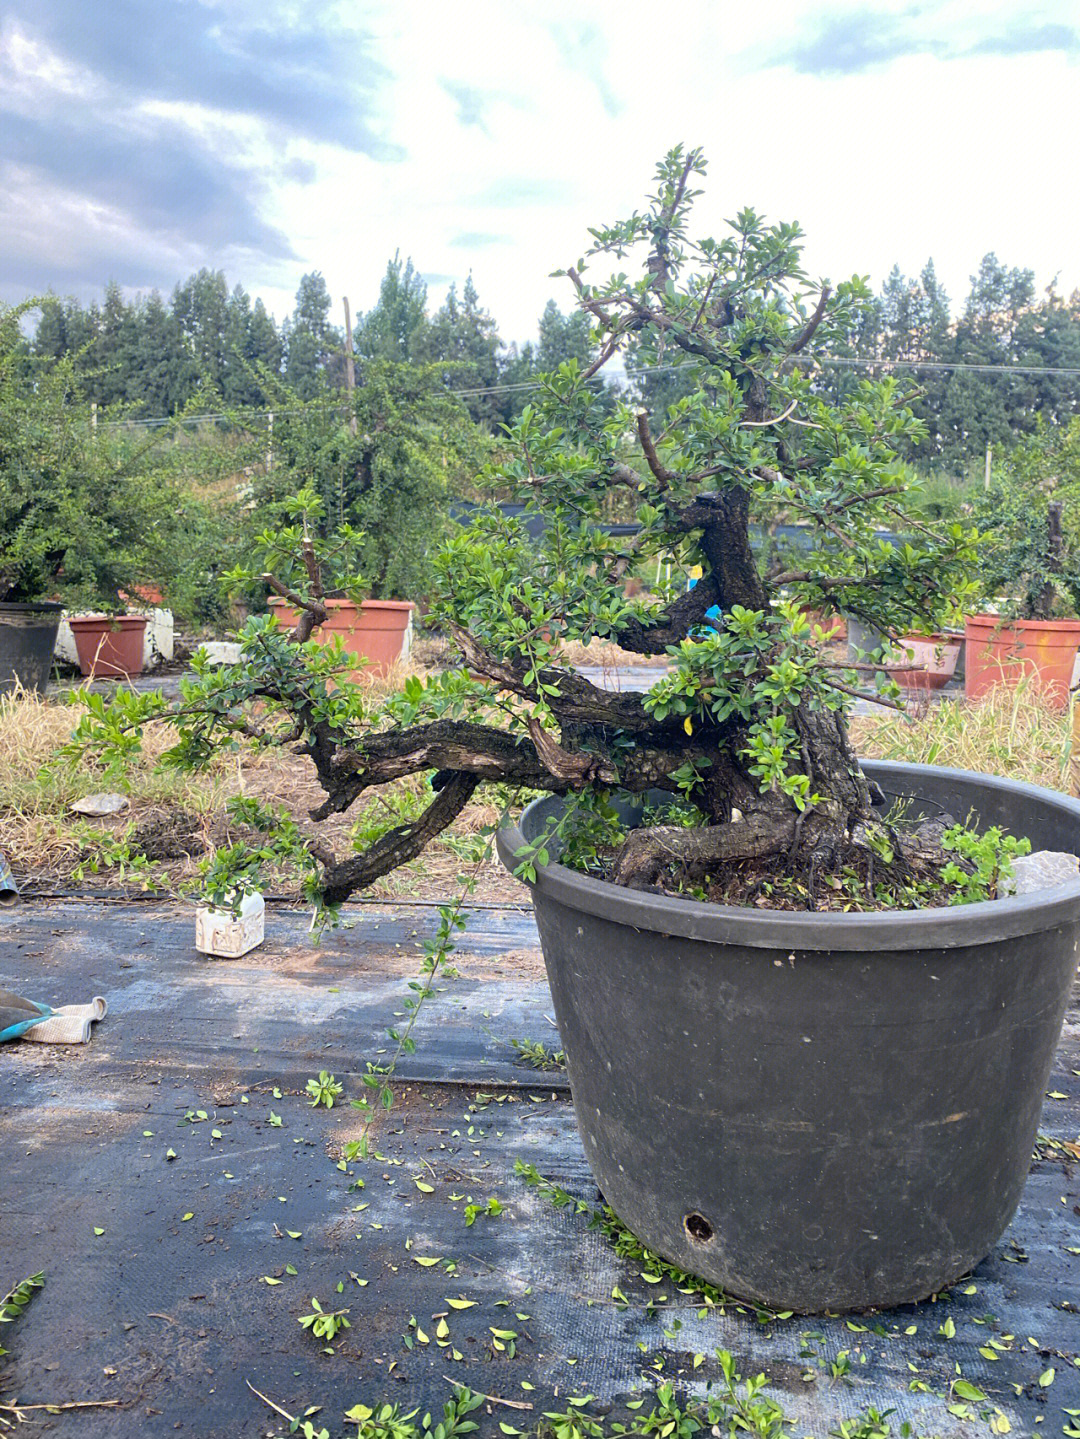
[698,1228]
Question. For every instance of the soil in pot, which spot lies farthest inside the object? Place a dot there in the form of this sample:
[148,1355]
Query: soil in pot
[109,646]
[1001,651]
[27,641]
[377,630]
[814,1111]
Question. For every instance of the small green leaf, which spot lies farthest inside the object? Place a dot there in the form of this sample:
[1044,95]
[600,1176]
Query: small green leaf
[963,1390]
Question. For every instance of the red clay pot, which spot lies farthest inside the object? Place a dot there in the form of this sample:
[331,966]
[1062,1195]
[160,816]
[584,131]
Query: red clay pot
[1003,651]
[109,645]
[936,655]
[374,630]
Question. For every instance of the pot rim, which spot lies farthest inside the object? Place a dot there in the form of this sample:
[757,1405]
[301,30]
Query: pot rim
[27,607]
[352,604]
[951,927]
[1002,623]
[937,637]
[111,620]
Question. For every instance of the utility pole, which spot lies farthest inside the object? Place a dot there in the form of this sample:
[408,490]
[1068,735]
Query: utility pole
[989,451]
[350,368]
[269,442]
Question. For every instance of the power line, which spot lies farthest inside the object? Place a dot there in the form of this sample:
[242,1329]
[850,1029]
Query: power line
[1070,371]
[1063,371]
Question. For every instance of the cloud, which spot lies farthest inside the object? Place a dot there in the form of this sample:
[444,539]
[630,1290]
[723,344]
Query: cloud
[477,240]
[1036,40]
[584,49]
[263,64]
[170,124]
[849,43]
[471,103]
[514,190]
[152,175]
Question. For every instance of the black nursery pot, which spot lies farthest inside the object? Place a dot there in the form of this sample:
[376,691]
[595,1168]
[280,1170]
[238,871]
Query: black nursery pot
[27,640]
[815,1111]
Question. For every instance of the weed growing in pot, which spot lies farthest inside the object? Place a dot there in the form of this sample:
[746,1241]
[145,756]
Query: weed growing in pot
[988,857]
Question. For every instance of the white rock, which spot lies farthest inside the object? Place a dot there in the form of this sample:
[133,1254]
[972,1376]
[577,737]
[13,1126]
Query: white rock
[222,652]
[99,805]
[1042,870]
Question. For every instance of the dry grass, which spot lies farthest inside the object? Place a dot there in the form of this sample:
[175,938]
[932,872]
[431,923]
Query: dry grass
[47,844]
[607,655]
[1013,731]
[437,652]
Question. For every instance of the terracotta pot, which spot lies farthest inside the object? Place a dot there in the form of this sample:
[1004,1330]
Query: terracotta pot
[109,645]
[377,630]
[936,655]
[1003,651]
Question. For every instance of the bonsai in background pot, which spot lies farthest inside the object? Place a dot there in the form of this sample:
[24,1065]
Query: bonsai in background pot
[109,646]
[83,514]
[375,633]
[927,661]
[761,973]
[386,464]
[1029,563]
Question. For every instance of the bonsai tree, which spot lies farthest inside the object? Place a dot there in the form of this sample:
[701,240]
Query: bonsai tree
[1030,516]
[748,729]
[388,459]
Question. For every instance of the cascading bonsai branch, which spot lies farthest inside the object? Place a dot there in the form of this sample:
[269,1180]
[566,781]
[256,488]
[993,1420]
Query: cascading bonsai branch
[752,715]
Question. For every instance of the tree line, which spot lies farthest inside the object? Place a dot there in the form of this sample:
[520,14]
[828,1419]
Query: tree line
[151,357]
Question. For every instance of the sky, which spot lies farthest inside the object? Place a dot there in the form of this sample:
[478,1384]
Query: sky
[143,139]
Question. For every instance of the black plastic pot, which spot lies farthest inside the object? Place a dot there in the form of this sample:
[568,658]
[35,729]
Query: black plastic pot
[815,1111]
[27,641]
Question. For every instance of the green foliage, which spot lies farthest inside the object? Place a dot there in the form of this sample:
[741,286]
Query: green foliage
[324,1324]
[324,1090]
[1021,561]
[489,1209]
[988,857]
[84,512]
[534,1054]
[388,1421]
[16,1300]
[390,477]
[836,470]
